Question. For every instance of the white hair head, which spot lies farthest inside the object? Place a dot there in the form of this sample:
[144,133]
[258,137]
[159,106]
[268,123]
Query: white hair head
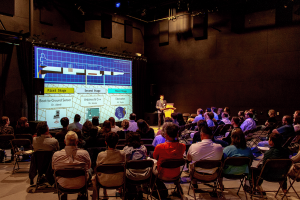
[71,138]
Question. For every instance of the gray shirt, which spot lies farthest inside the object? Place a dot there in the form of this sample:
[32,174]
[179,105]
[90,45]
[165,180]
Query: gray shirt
[75,125]
[45,143]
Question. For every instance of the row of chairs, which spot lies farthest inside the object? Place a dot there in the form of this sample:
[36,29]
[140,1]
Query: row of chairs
[278,166]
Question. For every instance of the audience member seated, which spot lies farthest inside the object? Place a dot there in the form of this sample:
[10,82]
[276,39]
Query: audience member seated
[86,129]
[114,127]
[297,123]
[296,113]
[235,121]
[145,130]
[214,110]
[241,115]
[254,115]
[180,119]
[132,123]
[204,150]
[70,157]
[93,140]
[197,135]
[161,138]
[227,109]
[43,141]
[272,119]
[225,119]
[287,130]
[106,128]
[249,123]
[199,115]
[174,118]
[237,148]
[76,123]
[219,112]
[276,152]
[294,170]
[209,119]
[4,126]
[95,122]
[167,119]
[81,142]
[110,156]
[122,133]
[23,126]
[134,150]
[171,149]
[60,136]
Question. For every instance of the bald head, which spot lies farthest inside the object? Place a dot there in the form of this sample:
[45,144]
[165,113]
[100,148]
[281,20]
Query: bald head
[71,139]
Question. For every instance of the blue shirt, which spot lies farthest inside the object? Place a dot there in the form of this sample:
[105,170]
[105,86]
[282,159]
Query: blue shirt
[216,116]
[199,117]
[158,140]
[286,131]
[210,123]
[248,124]
[132,126]
[232,151]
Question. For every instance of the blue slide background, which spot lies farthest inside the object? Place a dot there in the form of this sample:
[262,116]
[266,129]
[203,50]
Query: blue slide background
[68,59]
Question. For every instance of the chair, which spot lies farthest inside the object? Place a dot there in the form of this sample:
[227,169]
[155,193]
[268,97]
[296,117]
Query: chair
[206,164]
[24,136]
[150,149]
[147,141]
[225,129]
[40,163]
[186,116]
[237,161]
[274,170]
[138,165]
[170,164]
[121,141]
[294,178]
[5,143]
[111,169]
[120,147]
[218,130]
[16,144]
[70,173]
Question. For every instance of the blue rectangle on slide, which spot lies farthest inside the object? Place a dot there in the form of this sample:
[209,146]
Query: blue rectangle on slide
[119,91]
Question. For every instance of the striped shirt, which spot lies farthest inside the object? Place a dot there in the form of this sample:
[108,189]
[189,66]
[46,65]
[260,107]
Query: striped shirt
[71,156]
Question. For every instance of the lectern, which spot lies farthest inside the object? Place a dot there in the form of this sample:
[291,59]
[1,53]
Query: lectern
[169,109]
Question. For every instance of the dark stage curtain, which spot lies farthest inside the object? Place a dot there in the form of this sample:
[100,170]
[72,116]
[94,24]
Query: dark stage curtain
[24,53]
[139,78]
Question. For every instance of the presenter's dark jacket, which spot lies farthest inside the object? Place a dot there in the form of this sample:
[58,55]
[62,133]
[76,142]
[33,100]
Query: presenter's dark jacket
[160,105]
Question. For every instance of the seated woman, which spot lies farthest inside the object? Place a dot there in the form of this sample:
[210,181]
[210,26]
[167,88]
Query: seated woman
[86,129]
[22,126]
[95,122]
[171,149]
[4,126]
[122,133]
[144,129]
[161,138]
[106,128]
[110,156]
[167,119]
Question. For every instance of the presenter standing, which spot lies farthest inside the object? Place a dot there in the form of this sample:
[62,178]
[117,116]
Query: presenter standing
[160,105]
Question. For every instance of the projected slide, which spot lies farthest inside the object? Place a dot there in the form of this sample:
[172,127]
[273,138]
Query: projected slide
[79,83]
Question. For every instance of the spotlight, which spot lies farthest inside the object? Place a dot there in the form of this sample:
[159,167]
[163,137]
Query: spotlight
[118,4]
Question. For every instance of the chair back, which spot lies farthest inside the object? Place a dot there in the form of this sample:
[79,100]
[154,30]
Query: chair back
[149,147]
[185,116]
[275,170]
[110,168]
[42,161]
[16,143]
[193,115]
[147,141]
[24,136]
[139,164]
[70,172]
[5,141]
[208,164]
[218,130]
[225,129]
[172,163]
[288,141]
[237,161]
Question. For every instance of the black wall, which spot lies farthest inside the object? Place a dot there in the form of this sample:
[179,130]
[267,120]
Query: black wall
[258,68]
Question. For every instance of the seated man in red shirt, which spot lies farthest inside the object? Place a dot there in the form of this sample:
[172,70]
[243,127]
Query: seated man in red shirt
[171,149]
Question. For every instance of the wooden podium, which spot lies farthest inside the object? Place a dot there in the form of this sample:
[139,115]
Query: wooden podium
[169,109]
